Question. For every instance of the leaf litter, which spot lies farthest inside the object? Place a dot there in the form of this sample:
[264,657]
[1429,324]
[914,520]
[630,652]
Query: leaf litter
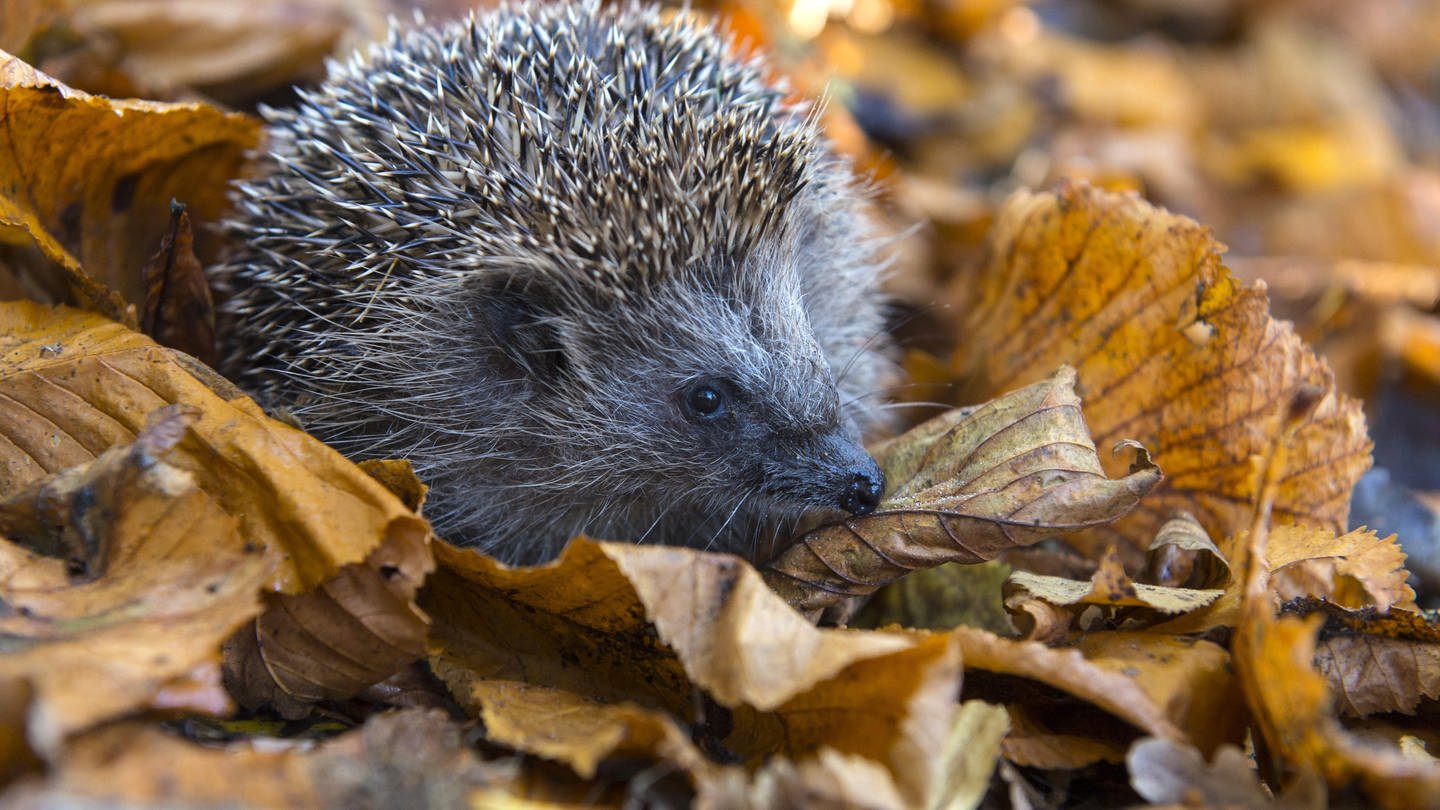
[170,553]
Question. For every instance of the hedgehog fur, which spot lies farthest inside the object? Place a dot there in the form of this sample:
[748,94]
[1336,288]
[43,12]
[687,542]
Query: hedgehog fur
[585,267]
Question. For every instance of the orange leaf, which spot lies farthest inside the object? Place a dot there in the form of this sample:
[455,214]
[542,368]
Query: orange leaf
[1168,348]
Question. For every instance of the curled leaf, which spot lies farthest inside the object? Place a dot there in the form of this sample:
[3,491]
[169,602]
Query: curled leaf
[1109,587]
[77,384]
[678,636]
[139,621]
[88,181]
[1168,348]
[968,485]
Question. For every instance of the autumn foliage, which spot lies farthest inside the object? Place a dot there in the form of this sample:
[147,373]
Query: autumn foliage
[1115,564]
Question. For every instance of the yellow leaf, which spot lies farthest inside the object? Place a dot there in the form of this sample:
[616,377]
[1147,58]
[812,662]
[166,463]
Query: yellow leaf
[89,180]
[1168,349]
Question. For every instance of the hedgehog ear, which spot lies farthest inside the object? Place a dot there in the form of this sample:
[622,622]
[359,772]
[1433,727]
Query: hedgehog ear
[520,321]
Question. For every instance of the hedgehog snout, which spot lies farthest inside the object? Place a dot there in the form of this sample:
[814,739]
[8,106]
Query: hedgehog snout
[862,494]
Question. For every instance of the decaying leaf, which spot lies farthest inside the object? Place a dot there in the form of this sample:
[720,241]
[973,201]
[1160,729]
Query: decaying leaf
[1167,772]
[631,640]
[178,311]
[1110,587]
[77,384]
[1169,350]
[138,623]
[1183,555]
[414,758]
[1353,570]
[88,182]
[1294,710]
[1374,674]
[967,485]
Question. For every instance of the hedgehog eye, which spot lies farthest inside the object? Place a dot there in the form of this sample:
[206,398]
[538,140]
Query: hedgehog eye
[705,401]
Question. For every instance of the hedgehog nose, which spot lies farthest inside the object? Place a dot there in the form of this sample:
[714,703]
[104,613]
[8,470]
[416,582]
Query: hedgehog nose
[862,492]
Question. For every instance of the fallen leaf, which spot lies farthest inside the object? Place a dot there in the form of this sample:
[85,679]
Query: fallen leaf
[1069,671]
[1275,665]
[414,758]
[1183,555]
[89,181]
[1373,674]
[168,578]
[178,311]
[1110,587]
[1168,348]
[577,731]
[675,636]
[968,759]
[967,486]
[1353,570]
[1167,772]
[77,384]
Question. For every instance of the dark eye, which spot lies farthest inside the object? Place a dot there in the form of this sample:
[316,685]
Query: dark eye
[705,401]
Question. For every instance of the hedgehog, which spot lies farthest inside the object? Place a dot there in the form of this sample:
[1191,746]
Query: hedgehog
[590,269]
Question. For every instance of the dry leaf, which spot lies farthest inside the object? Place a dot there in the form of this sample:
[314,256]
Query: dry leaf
[696,638]
[1356,570]
[88,181]
[1167,772]
[1109,587]
[971,750]
[1353,570]
[1274,663]
[178,311]
[138,623]
[966,486]
[412,759]
[1373,674]
[78,384]
[577,731]
[1069,671]
[1183,555]
[1168,349]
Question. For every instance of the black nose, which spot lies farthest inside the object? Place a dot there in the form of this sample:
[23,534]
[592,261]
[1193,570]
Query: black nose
[862,493]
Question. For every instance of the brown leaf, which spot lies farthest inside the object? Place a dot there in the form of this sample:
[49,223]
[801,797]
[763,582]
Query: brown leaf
[140,623]
[89,181]
[1070,671]
[1168,349]
[968,485]
[696,638]
[77,384]
[1356,570]
[415,758]
[178,311]
[1353,570]
[1293,708]
[1373,674]
[577,731]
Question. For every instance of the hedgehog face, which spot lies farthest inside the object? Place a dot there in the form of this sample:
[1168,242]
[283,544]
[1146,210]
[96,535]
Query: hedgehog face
[688,396]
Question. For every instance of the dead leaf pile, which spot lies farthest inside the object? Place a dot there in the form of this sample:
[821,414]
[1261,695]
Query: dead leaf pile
[1127,534]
